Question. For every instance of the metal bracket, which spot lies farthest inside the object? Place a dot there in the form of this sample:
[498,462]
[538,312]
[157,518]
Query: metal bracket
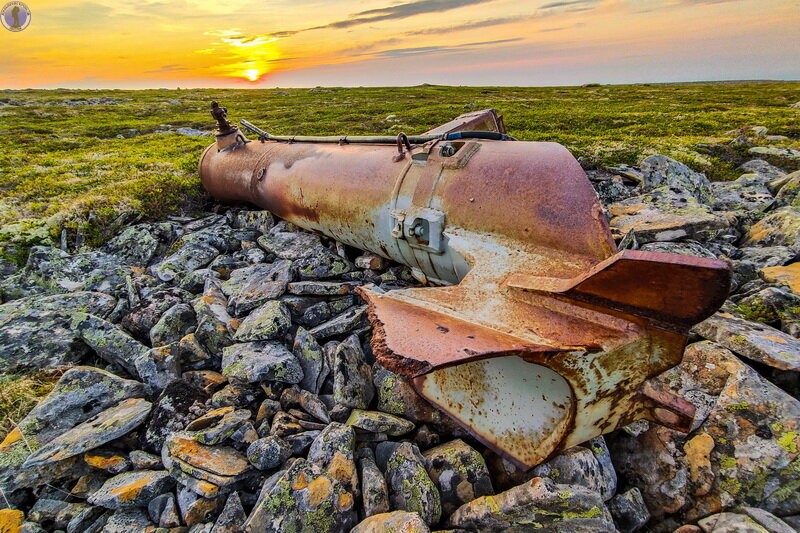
[421,227]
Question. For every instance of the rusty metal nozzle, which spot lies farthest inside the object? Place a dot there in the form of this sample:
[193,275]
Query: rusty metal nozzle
[536,334]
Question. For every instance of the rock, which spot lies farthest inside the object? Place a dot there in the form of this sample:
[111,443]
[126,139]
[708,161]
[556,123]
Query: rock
[683,248]
[410,486]
[322,288]
[240,395]
[269,452]
[79,395]
[763,169]
[538,504]
[378,422]
[254,362]
[270,321]
[215,326]
[398,397]
[142,460]
[58,271]
[774,306]
[779,228]
[196,510]
[746,195]
[666,215]
[126,521]
[132,489]
[219,465]
[312,360]
[252,287]
[789,155]
[629,511]
[104,427]
[352,376]
[787,275]
[260,221]
[290,245]
[753,459]
[163,511]
[232,517]
[138,245]
[184,260]
[303,498]
[751,260]
[335,438]
[107,460]
[36,332]
[755,341]
[147,306]
[394,522]
[789,192]
[374,492]
[323,264]
[109,341]
[459,473]
[752,522]
[350,320]
[216,426]
[310,403]
[371,262]
[579,466]
[194,281]
[179,404]
[661,171]
[613,190]
[177,322]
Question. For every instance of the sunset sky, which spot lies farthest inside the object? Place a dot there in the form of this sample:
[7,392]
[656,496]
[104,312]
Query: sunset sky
[300,43]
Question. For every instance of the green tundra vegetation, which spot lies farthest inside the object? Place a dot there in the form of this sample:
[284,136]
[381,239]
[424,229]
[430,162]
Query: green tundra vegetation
[92,161]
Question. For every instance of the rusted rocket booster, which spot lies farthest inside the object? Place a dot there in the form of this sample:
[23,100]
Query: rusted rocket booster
[540,335]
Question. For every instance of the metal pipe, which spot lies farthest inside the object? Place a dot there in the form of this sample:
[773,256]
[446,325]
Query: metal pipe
[541,334]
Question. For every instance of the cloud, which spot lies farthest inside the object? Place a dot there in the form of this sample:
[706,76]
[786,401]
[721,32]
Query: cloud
[423,50]
[173,67]
[395,12]
[571,5]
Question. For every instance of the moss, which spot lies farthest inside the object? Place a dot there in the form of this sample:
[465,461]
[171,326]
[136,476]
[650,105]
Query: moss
[727,462]
[19,393]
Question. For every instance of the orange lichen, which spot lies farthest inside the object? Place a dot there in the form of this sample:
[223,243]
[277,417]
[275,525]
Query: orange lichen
[10,439]
[11,520]
[319,490]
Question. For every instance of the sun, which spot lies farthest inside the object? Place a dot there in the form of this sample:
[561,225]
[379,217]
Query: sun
[252,74]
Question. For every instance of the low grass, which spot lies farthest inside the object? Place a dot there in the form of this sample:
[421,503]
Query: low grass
[19,393]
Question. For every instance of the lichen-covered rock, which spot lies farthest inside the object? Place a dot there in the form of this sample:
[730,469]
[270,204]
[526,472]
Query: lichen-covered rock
[303,498]
[410,486]
[682,247]
[749,261]
[323,264]
[788,154]
[252,287]
[763,169]
[107,460]
[163,510]
[322,288]
[667,215]
[351,320]
[177,322]
[752,340]
[788,275]
[254,362]
[789,192]
[747,195]
[374,492]
[398,397]
[775,306]
[352,376]
[104,427]
[378,422]
[80,394]
[216,426]
[751,521]
[36,332]
[220,465]
[541,505]
[132,489]
[269,452]
[394,522]
[185,259]
[779,228]
[459,473]
[232,517]
[743,448]
[312,360]
[109,341]
[58,271]
[138,245]
[661,171]
[215,327]
[290,245]
[270,321]
[148,304]
[579,466]
[310,403]
[629,511]
[179,404]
